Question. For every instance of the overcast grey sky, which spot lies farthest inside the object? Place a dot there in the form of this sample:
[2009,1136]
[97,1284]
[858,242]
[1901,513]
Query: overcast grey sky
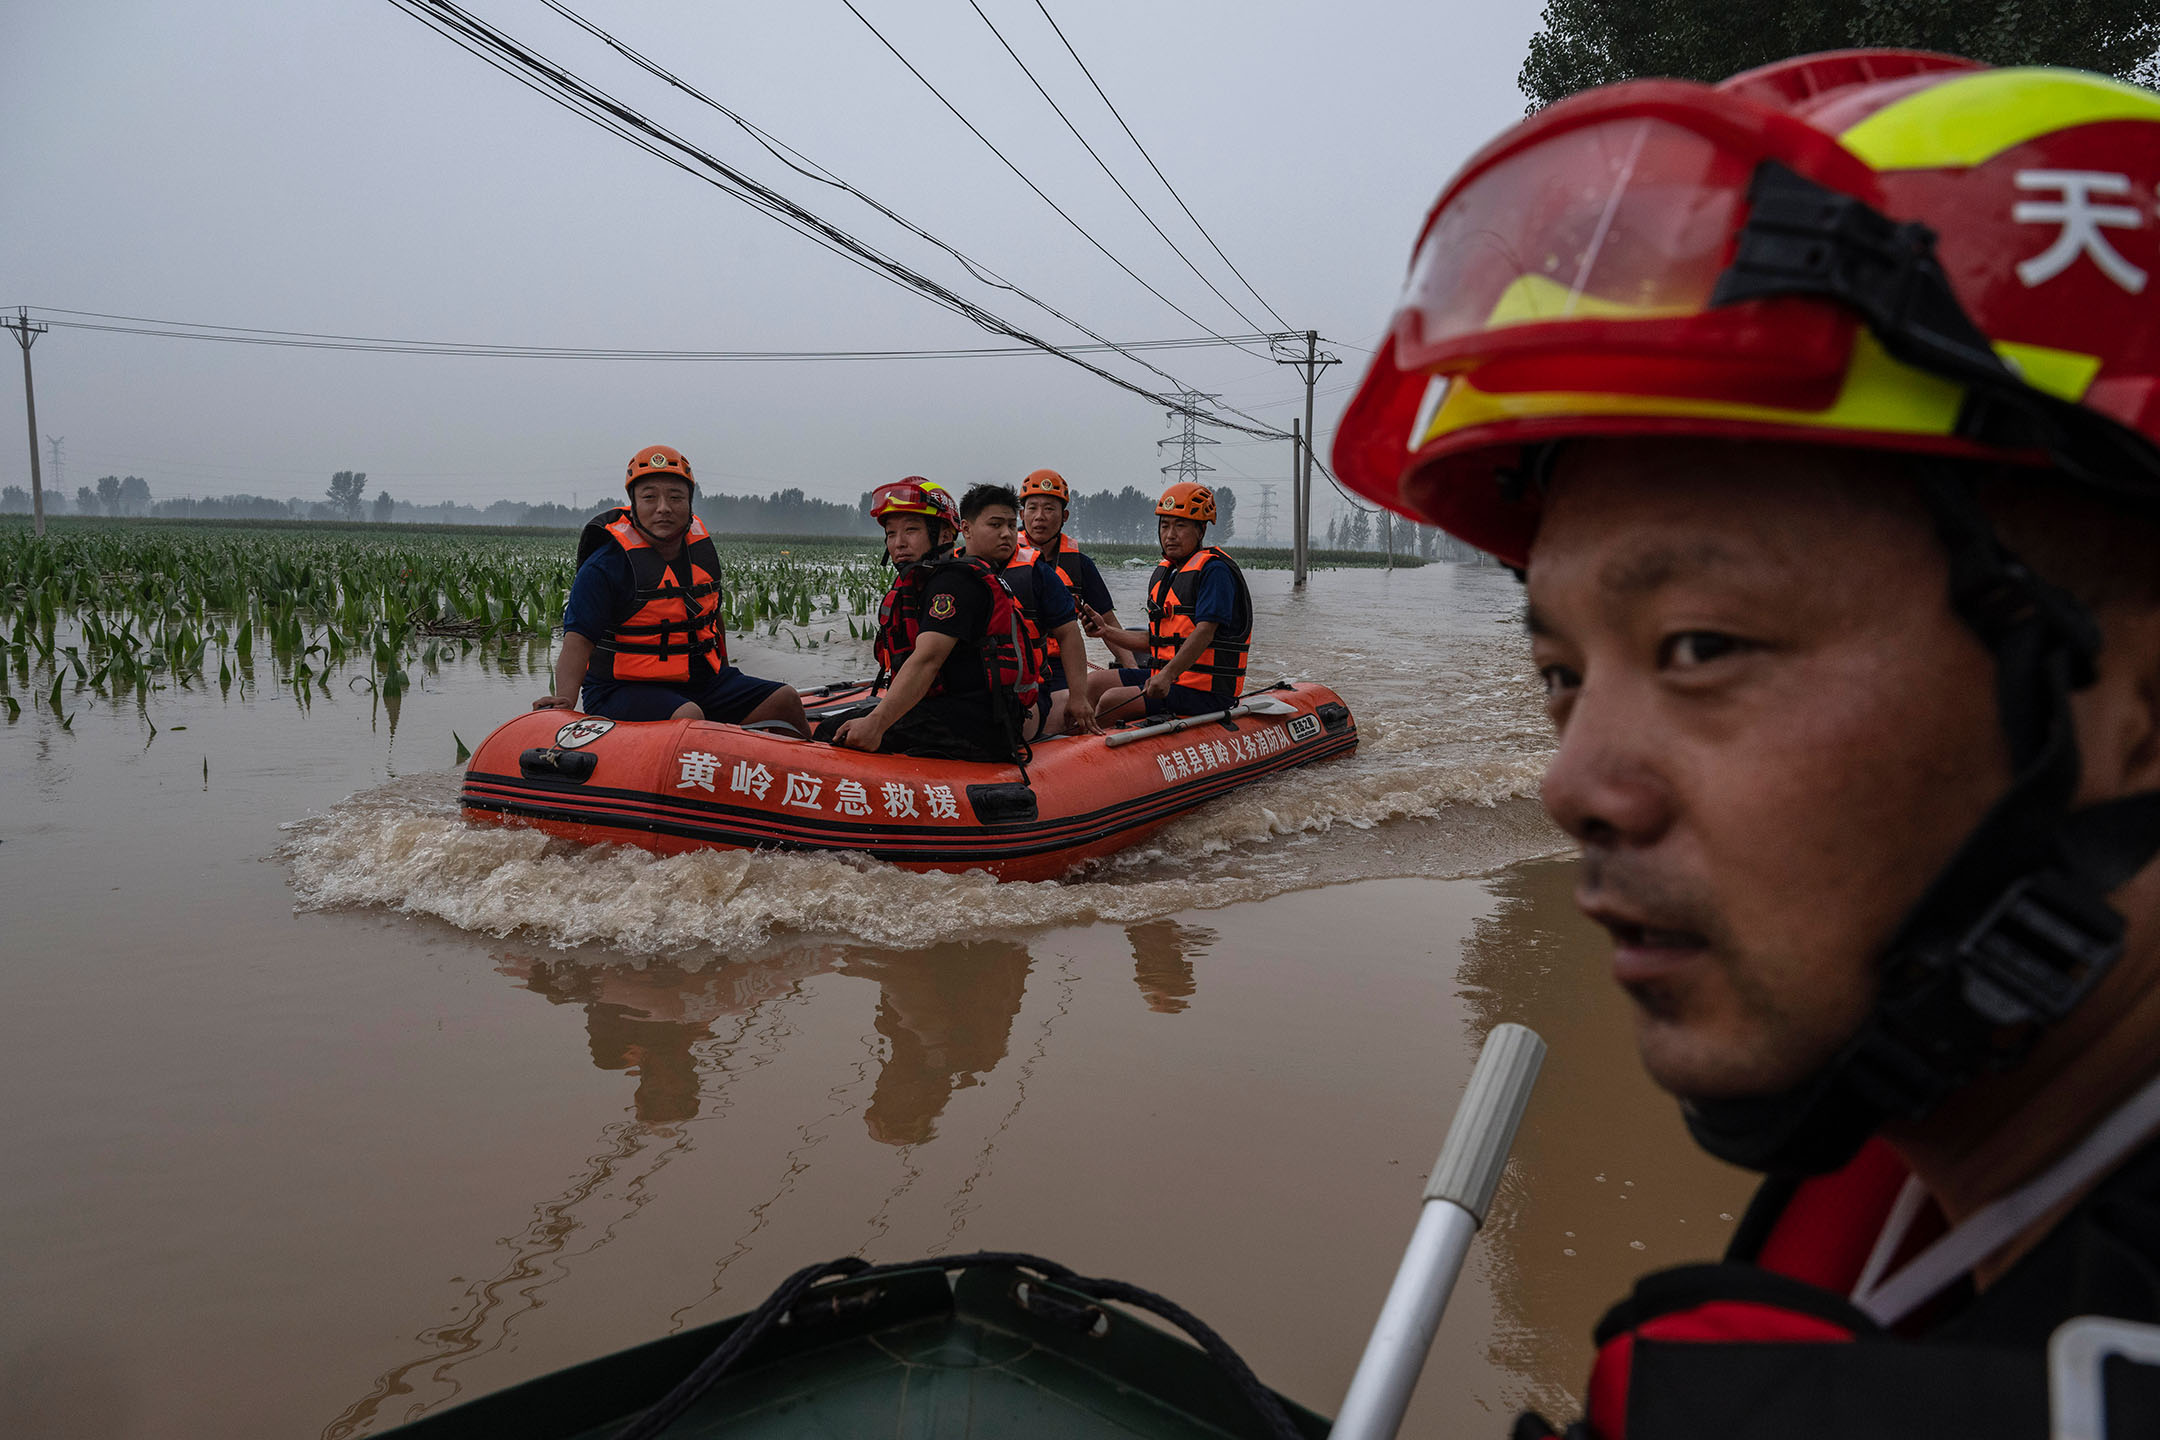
[334,166]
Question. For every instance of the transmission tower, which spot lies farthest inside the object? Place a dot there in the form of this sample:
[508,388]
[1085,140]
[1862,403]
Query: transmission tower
[1187,466]
[1267,513]
[59,480]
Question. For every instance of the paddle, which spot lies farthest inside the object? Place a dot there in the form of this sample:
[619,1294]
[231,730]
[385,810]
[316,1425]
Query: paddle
[1257,705]
[1457,1195]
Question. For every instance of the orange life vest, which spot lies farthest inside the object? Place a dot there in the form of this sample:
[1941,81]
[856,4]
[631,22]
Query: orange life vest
[674,621]
[1219,670]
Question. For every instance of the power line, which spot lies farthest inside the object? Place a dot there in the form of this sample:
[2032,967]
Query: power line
[314,340]
[1157,168]
[589,102]
[810,169]
[1106,168]
[978,134]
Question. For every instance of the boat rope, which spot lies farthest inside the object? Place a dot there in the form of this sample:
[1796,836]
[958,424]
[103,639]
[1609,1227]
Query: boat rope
[795,1295]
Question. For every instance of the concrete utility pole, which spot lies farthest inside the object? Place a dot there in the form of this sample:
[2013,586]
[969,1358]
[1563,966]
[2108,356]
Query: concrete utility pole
[1297,505]
[26,333]
[1309,365]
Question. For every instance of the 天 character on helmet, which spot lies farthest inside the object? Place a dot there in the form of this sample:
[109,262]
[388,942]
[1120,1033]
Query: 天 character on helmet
[1821,410]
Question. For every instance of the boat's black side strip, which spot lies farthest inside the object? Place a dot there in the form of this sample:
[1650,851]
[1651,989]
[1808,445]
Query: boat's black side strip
[796,1293]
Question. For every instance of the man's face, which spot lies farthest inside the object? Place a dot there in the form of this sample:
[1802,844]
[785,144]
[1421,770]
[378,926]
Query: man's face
[907,538]
[1180,537]
[662,506]
[1043,517]
[1772,732]
[992,535]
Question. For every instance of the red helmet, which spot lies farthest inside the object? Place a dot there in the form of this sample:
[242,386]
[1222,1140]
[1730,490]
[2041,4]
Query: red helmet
[658,460]
[1188,501]
[914,496]
[1045,482]
[1873,248]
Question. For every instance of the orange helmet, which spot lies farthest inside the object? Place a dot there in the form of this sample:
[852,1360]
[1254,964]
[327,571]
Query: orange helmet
[1188,501]
[914,496]
[1045,482]
[654,460]
[1882,249]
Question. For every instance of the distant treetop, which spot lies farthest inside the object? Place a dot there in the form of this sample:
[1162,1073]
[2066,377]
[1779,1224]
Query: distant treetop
[1585,43]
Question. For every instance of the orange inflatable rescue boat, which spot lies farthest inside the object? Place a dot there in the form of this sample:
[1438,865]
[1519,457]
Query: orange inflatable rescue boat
[674,785]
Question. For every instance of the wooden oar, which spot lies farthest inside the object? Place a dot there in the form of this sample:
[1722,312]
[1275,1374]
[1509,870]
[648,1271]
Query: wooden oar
[1457,1195]
[1257,705]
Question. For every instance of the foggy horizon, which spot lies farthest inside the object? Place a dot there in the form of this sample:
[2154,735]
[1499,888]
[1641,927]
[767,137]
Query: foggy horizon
[342,169]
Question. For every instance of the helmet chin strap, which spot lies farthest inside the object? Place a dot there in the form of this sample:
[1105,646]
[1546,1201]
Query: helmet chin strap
[2014,931]
[639,526]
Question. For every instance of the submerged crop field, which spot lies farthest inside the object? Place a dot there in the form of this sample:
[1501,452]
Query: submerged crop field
[120,609]
[117,610]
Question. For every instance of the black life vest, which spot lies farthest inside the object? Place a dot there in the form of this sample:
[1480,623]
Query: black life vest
[1009,659]
[1766,1346]
[1024,581]
[1065,546]
[674,621]
[1219,670]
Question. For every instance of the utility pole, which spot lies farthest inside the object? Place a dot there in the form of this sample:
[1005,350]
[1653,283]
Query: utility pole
[26,333]
[1309,365]
[1297,505]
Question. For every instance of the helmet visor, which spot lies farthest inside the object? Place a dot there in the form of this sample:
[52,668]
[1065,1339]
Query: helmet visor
[1630,218]
[1615,217]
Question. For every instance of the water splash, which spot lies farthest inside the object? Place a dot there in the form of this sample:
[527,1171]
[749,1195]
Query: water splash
[1452,741]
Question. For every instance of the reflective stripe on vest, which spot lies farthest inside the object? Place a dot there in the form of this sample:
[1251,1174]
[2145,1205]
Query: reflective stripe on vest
[674,620]
[1219,670]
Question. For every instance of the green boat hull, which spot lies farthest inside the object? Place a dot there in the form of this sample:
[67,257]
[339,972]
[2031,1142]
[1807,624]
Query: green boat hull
[908,1355]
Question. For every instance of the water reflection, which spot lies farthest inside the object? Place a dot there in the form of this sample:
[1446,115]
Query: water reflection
[1605,1183]
[943,1021]
[645,1020]
[1163,954]
[946,1016]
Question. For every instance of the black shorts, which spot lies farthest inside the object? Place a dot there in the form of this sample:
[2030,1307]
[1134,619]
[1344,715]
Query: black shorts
[1182,699]
[726,698]
[952,727]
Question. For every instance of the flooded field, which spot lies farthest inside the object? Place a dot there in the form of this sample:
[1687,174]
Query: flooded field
[324,1109]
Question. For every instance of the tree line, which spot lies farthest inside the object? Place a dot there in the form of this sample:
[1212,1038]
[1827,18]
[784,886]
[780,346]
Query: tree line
[783,512]
[1583,43]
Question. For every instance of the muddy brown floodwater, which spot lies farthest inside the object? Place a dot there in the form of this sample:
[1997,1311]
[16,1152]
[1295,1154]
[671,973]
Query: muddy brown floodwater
[323,1109]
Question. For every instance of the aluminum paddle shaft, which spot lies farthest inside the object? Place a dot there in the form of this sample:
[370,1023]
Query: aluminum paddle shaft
[1457,1196]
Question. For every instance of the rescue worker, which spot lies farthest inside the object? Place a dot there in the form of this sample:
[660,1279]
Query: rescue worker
[963,670]
[1819,410]
[1045,506]
[1199,622]
[643,637]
